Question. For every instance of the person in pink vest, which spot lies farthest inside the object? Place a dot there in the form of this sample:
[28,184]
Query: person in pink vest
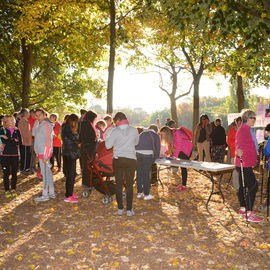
[179,145]
[246,147]
[57,143]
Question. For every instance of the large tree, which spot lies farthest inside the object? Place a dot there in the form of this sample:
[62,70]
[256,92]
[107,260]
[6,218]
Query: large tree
[47,51]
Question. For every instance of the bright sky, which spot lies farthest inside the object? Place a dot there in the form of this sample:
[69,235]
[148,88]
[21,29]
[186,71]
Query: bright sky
[142,90]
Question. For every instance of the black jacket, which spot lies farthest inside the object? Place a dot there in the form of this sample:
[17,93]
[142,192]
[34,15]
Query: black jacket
[70,142]
[88,139]
[218,136]
[11,143]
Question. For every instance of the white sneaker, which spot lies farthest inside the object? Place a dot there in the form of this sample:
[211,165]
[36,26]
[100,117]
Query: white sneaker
[148,197]
[120,212]
[130,213]
[42,198]
[139,195]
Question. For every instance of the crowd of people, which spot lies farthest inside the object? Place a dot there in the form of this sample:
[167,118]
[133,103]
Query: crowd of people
[34,135]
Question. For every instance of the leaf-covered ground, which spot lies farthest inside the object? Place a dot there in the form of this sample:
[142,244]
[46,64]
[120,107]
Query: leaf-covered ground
[173,231]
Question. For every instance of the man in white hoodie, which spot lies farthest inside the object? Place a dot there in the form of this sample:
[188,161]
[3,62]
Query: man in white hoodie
[123,139]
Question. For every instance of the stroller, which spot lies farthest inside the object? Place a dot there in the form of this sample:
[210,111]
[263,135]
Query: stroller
[101,174]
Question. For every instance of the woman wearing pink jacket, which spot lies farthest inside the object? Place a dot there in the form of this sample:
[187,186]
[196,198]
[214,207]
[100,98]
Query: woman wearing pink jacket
[246,147]
[179,145]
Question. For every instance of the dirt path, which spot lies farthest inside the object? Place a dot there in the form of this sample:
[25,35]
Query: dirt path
[174,231]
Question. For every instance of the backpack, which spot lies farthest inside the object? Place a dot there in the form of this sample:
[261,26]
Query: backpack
[1,144]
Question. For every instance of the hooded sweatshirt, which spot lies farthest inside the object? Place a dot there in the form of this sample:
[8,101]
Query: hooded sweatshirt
[123,139]
[41,138]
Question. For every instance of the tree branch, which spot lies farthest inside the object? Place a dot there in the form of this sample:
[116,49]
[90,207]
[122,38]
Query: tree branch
[187,93]
[253,12]
[266,5]
[193,71]
[161,85]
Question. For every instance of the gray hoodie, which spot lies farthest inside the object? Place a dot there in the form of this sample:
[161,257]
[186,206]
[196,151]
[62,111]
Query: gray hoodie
[123,140]
[41,136]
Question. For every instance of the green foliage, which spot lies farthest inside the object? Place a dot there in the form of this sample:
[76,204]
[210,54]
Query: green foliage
[162,115]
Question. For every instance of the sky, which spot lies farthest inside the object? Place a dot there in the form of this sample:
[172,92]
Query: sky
[142,90]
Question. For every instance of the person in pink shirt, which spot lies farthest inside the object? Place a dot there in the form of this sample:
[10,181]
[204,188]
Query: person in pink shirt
[179,145]
[57,143]
[246,147]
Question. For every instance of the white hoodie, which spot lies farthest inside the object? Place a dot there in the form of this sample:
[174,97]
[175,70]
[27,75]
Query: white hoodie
[123,139]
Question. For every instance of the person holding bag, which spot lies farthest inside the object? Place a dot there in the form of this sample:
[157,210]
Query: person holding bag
[71,153]
[43,148]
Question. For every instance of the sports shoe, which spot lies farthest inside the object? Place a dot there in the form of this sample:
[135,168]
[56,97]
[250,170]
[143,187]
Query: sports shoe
[8,194]
[130,213]
[13,193]
[242,212]
[53,196]
[181,188]
[70,200]
[75,196]
[39,175]
[252,218]
[42,198]
[139,195]
[148,197]
[120,212]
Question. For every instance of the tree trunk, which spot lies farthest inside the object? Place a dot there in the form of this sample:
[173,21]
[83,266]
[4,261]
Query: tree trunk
[240,93]
[196,101]
[172,96]
[112,59]
[26,74]
[173,109]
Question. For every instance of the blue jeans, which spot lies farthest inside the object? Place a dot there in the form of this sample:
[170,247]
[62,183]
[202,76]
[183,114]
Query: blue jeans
[144,163]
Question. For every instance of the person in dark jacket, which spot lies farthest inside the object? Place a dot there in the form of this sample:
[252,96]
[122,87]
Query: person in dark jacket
[218,137]
[71,152]
[147,151]
[88,143]
[10,138]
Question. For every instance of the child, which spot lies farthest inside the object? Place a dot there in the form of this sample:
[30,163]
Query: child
[57,143]
[71,152]
[101,127]
[43,148]
[11,138]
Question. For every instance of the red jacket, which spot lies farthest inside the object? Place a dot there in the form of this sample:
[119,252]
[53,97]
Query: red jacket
[231,140]
[244,140]
[32,122]
[56,139]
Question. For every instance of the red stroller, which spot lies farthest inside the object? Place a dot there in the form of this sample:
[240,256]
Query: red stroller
[101,174]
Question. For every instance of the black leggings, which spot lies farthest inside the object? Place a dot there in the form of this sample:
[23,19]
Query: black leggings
[182,155]
[10,166]
[251,185]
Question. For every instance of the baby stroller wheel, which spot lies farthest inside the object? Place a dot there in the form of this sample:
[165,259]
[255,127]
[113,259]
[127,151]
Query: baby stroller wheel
[86,193]
[106,199]
[124,194]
